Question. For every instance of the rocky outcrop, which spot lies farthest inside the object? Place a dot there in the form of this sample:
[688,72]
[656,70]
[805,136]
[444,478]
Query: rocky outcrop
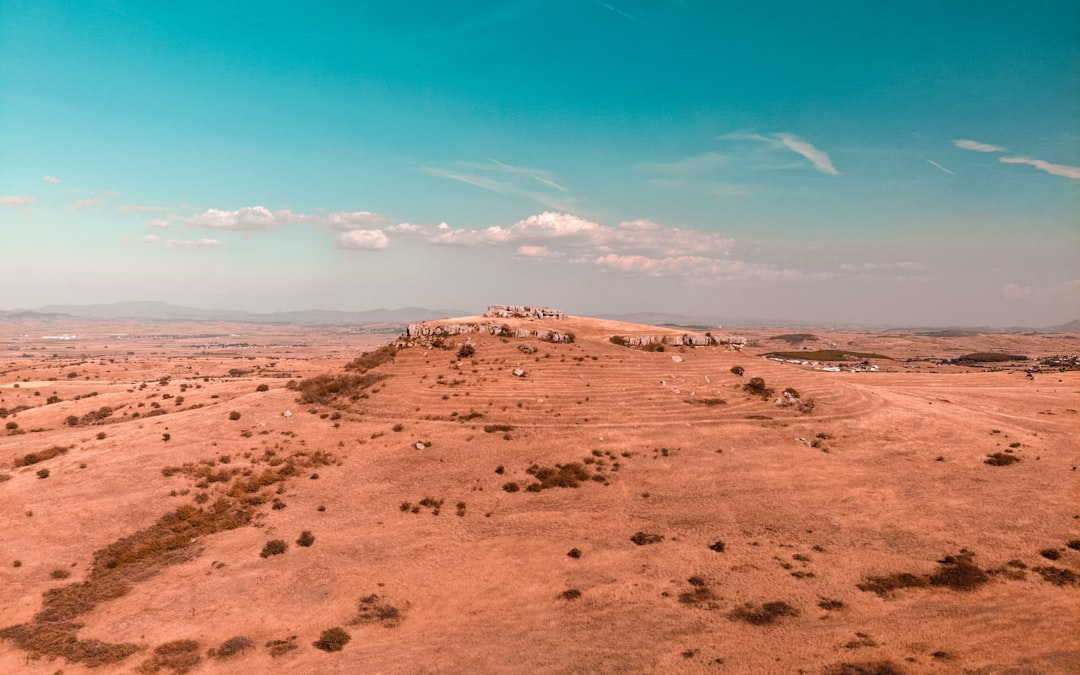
[522,312]
[732,342]
[430,333]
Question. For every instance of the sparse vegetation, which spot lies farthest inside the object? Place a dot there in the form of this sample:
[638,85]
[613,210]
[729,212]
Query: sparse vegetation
[274,547]
[870,668]
[571,594]
[40,456]
[885,586]
[280,647]
[495,428]
[756,387]
[644,538]
[324,389]
[305,539]
[1057,575]
[466,351]
[827,355]
[762,615]
[987,357]
[179,656]
[263,387]
[233,416]
[1001,459]
[333,640]
[232,647]
[830,605]
[372,610]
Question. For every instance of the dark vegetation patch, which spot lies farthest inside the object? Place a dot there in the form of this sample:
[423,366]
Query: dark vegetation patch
[756,387]
[710,402]
[717,546]
[305,539]
[885,586]
[1001,459]
[574,553]
[738,370]
[232,647]
[698,594]
[560,476]
[957,572]
[1057,575]
[495,428]
[372,610]
[372,359]
[828,355]
[794,339]
[867,668]
[274,547]
[280,647]
[762,615]
[986,357]
[332,640]
[644,538]
[179,656]
[1050,553]
[830,605]
[570,594]
[324,389]
[41,455]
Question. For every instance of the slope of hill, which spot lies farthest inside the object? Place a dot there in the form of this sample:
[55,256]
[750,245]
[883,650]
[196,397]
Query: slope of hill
[529,506]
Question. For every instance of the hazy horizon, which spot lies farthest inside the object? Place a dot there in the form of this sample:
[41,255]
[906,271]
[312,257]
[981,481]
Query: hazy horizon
[911,165]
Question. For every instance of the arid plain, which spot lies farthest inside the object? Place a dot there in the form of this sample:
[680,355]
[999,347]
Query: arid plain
[608,509]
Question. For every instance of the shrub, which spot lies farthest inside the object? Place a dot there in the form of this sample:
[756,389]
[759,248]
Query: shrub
[756,386]
[511,487]
[1056,575]
[234,416]
[372,359]
[11,426]
[574,553]
[717,546]
[884,586]
[763,615]
[232,647]
[306,539]
[332,640]
[279,647]
[60,573]
[165,437]
[274,547]
[1050,553]
[571,594]
[830,605]
[494,428]
[872,668]
[323,389]
[738,370]
[40,456]
[1001,459]
[179,656]
[43,473]
[643,538]
[263,387]
[466,351]
[562,475]
[101,435]
[372,611]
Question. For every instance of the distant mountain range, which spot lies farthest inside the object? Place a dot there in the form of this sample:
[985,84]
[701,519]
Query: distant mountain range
[163,311]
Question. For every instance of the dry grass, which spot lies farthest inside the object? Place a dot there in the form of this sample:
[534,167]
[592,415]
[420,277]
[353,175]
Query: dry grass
[179,656]
[763,615]
[40,456]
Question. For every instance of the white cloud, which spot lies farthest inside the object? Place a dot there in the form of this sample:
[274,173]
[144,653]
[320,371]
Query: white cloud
[506,179]
[966,144]
[50,179]
[873,267]
[157,223]
[193,243]
[354,220]
[86,203]
[246,219]
[818,158]
[362,239]
[13,202]
[1015,292]
[1056,169]
[534,251]
[150,239]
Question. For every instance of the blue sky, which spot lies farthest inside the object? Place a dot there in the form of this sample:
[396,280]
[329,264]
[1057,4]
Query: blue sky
[910,163]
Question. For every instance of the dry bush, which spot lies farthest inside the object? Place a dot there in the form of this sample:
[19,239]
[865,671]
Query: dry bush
[570,594]
[710,402]
[232,647]
[561,476]
[40,456]
[959,573]
[1056,575]
[1001,459]
[762,615]
[494,428]
[306,539]
[371,611]
[870,668]
[372,359]
[643,538]
[179,656]
[830,605]
[324,389]
[274,547]
[756,386]
[884,586]
[699,592]
[55,639]
[279,647]
[332,640]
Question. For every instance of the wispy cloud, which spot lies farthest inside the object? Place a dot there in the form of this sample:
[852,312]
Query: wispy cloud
[507,179]
[621,12]
[818,158]
[140,208]
[1055,169]
[346,221]
[158,223]
[87,203]
[50,179]
[1015,292]
[13,202]
[938,166]
[965,144]
[193,243]
[150,239]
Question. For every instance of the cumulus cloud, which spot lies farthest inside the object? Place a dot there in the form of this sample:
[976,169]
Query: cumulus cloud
[534,251]
[13,202]
[193,243]
[246,219]
[86,203]
[362,239]
[965,144]
[1055,169]
[157,223]
[50,179]
[354,220]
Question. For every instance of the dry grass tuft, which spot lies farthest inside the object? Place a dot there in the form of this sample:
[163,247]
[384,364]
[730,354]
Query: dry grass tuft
[179,656]
[232,647]
[763,615]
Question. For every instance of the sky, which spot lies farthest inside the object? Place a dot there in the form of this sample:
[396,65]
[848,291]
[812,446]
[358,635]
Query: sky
[912,163]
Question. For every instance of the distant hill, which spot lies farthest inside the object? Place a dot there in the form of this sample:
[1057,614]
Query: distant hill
[163,311]
[1071,327]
